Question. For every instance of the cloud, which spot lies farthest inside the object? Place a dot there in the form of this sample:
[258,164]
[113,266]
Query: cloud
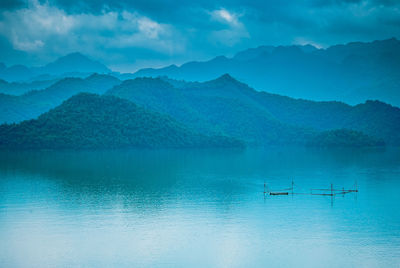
[146,33]
[224,15]
[231,35]
[42,28]
[28,27]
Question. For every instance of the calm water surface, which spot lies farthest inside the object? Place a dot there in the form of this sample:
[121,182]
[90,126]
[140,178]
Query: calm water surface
[199,209]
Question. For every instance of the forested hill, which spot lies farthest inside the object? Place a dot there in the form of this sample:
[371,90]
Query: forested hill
[229,107]
[213,110]
[19,88]
[14,109]
[93,121]
[220,107]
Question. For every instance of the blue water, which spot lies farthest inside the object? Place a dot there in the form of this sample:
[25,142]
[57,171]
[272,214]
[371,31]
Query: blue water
[199,209]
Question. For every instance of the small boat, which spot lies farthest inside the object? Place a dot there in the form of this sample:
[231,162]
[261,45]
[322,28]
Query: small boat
[278,193]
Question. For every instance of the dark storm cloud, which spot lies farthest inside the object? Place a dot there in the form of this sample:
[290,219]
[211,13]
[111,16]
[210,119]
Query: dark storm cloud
[133,34]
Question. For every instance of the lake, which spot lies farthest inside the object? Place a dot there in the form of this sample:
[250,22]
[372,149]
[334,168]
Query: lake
[199,208]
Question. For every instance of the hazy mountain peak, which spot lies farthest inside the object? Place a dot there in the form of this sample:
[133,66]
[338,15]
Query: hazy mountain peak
[146,82]
[172,66]
[308,48]
[72,58]
[149,80]
[223,81]
[226,83]
[252,53]
[392,40]
[226,78]
[377,104]
[74,62]
[68,79]
[76,55]
[220,58]
[288,50]
[97,76]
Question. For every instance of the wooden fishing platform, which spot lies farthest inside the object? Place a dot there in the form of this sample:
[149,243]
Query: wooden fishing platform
[322,192]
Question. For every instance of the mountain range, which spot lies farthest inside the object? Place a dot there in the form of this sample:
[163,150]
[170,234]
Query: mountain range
[19,88]
[229,107]
[74,64]
[190,103]
[33,103]
[351,73]
[223,107]
[90,121]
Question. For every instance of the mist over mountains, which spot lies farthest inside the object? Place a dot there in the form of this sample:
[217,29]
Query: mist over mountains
[33,103]
[261,96]
[71,65]
[223,107]
[352,73]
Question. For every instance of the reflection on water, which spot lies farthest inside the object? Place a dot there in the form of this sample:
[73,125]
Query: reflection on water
[198,208]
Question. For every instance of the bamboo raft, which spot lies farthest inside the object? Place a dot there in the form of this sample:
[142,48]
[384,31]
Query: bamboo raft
[322,192]
[278,193]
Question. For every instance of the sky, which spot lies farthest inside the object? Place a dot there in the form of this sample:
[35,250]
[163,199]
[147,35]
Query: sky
[127,35]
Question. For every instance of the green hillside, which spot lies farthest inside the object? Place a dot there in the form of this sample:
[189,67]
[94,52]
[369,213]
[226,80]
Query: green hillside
[229,107]
[14,109]
[93,121]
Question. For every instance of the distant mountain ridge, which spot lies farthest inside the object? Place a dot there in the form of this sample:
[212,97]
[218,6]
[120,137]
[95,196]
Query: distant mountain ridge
[19,88]
[73,63]
[353,73]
